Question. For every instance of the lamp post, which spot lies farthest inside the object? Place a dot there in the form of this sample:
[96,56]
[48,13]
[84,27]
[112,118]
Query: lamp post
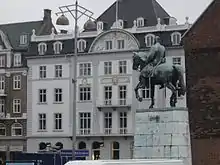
[77,12]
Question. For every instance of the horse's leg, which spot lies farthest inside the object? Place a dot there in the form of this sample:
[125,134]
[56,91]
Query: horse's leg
[174,93]
[136,92]
[152,89]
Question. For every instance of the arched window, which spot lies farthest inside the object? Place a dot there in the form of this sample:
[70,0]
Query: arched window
[82,145]
[16,129]
[95,150]
[42,48]
[176,38]
[81,45]
[149,40]
[140,22]
[115,150]
[57,47]
[2,130]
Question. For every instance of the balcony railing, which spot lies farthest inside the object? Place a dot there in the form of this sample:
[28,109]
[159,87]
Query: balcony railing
[107,131]
[108,102]
[85,131]
[123,130]
[114,103]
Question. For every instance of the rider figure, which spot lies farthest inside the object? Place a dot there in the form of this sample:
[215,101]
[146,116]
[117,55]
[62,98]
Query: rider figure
[156,57]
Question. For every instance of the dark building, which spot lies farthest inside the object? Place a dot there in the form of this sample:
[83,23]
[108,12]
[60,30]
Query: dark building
[202,48]
[14,43]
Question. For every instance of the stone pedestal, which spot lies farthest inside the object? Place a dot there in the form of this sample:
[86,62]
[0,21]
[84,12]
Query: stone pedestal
[162,134]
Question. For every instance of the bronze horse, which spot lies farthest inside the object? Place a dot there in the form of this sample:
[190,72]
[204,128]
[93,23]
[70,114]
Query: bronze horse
[166,75]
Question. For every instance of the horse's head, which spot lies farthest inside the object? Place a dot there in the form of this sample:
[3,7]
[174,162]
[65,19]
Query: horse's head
[137,61]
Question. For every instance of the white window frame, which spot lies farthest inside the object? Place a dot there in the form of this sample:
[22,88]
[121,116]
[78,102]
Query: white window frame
[14,127]
[2,82]
[122,67]
[17,59]
[174,38]
[140,22]
[42,48]
[42,122]
[108,123]
[85,69]
[177,61]
[42,72]
[108,45]
[3,128]
[58,95]
[57,47]
[100,25]
[81,44]
[107,95]
[85,123]
[123,91]
[17,82]
[2,61]
[107,67]
[121,23]
[85,92]
[42,96]
[2,105]
[123,122]
[16,105]
[58,71]
[58,121]
[149,40]
[24,39]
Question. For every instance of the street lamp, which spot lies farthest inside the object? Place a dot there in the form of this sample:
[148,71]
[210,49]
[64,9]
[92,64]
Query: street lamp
[77,12]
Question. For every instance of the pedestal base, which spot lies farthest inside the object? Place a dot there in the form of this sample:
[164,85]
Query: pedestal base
[162,134]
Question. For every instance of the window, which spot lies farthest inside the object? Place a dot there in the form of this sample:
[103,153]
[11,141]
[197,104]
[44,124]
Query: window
[17,82]
[2,130]
[122,67]
[107,122]
[16,129]
[140,22]
[122,94]
[57,121]
[42,126]
[42,48]
[81,45]
[115,150]
[16,106]
[58,71]
[149,40]
[17,59]
[123,122]
[121,23]
[85,93]
[57,47]
[2,82]
[85,69]
[82,145]
[108,45]
[146,93]
[100,26]
[43,71]
[121,44]
[176,38]
[42,96]
[176,60]
[58,95]
[2,61]
[107,68]
[2,106]
[108,95]
[85,123]
[24,39]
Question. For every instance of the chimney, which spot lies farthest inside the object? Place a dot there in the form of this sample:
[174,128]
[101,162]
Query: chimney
[47,15]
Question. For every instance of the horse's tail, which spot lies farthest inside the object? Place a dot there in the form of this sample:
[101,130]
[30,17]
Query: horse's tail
[181,84]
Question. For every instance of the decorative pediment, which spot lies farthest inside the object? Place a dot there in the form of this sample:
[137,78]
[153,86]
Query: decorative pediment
[5,40]
[113,40]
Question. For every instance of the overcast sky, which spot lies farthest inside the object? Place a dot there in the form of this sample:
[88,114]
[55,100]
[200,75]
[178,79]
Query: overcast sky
[30,10]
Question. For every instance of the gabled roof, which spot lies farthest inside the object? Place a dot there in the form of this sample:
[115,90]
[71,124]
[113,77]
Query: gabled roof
[130,10]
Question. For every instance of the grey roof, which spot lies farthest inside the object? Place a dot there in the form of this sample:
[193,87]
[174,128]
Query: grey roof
[130,10]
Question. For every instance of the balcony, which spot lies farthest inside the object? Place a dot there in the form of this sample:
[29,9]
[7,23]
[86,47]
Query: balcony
[85,131]
[114,104]
[2,93]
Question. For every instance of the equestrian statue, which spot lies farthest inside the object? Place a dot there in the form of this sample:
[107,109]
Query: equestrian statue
[155,71]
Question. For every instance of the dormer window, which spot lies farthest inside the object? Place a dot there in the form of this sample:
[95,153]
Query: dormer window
[81,45]
[57,47]
[108,45]
[24,39]
[42,48]
[176,38]
[140,22]
[100,26]
[121,44]
[121,23]
[149,40]
[17,59]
